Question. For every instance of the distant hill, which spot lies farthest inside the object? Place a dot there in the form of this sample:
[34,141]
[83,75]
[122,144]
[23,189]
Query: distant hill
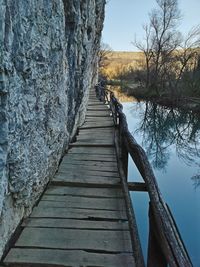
[125,57]
[117,60]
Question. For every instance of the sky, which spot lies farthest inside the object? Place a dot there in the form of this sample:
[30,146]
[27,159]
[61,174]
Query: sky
[124,20]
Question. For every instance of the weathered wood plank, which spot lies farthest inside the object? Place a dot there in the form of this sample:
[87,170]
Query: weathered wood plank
[94,104]
[81,191]
[92,150]
[100,118]
[83,202]
[75,224]
[72,173]
[99,114]
[96,152]
[96,132]
[91,144]
[91,104]
[59,258]
[89,118]
[99,158]
[86,203]
[83,127]
[94,125]
[71,213]
[97,108]
[98,164]
[100,138]
[102,167]
[86,181]
[108,241]
[100,130]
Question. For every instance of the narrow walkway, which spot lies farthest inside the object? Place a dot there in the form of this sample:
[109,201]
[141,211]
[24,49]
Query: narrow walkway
[81,218]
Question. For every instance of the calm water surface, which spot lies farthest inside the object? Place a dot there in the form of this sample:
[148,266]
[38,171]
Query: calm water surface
[171,140]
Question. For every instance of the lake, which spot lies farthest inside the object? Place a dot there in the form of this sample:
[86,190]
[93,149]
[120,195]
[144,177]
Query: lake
[171,140]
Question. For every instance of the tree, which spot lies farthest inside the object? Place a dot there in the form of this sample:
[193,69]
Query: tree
[161,40]
[187,58]
[103,55]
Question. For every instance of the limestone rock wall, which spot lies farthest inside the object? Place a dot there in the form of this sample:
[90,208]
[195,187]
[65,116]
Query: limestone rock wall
[48,59]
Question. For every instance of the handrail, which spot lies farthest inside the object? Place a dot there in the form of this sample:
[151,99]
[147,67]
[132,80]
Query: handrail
[170,242]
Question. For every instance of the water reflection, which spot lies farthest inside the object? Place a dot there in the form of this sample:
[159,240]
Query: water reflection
[163,129]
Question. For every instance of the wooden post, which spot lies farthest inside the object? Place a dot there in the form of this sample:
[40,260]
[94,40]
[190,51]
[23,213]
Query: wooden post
[155,255]
[123,151]
[136,245]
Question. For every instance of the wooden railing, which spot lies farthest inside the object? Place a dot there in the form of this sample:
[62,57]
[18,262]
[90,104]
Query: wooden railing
[165,247]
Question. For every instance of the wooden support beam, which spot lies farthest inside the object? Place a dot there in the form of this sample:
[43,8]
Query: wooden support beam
[135,240]
[135,186]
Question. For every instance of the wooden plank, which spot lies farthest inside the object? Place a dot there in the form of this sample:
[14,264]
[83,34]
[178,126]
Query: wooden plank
[76,158]
[93,118]
[81,191]
[95,126]
[107,121]
[99,112]
[98,164]
[94,103]
[91,181]
[98,108]
[78,144]
[100,130]
[75,224]
[108,241]
[71,213]
[102,122]
[77,173]
[87,178]
[61,258]
[98,140]
[83,202]
[92,150]
[99,158]
[100,115]
[91,104]
[96,134]
[104,168]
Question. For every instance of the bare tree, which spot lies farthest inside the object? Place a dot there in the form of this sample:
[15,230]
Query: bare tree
[147,48]
[188,55]
[104,53]
[161,40]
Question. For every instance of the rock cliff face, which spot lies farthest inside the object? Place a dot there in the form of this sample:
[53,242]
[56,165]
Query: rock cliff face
[47,66]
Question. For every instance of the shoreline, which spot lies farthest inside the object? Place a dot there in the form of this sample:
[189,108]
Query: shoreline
[186,103]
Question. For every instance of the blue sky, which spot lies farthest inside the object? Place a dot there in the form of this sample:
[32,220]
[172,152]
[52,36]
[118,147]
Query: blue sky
[124,19]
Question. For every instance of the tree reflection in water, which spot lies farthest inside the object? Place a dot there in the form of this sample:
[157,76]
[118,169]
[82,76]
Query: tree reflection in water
[166,129]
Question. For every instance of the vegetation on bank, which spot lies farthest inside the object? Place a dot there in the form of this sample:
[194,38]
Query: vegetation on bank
[168,67]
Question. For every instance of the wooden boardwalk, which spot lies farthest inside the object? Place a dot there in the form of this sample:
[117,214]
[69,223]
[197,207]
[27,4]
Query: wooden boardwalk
[81,218]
